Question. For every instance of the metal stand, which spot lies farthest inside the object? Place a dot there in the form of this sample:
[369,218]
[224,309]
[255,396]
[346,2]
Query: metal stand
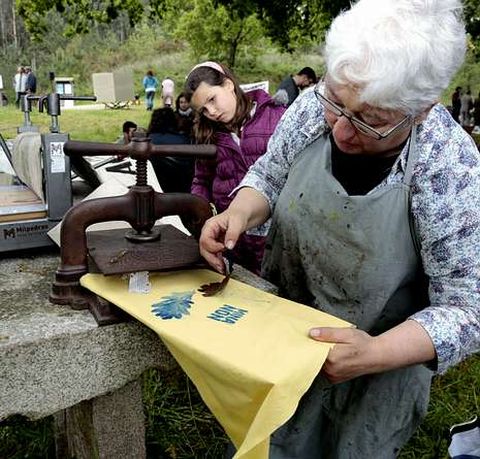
[56,165]
[26,234]
[26,108]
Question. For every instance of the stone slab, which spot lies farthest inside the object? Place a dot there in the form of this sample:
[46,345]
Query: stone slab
[53,357]
[107,427]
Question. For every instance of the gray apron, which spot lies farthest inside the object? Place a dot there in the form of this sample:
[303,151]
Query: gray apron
[353,257]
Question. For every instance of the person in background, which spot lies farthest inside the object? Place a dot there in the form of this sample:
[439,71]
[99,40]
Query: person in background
[128,129]
[476,114]
[30,82]
[184,115]
[168,91]
[466,104]
[19,82]
[240,125]
[456,103]
[291,86]
[373,192]
[150,85]
[174,174]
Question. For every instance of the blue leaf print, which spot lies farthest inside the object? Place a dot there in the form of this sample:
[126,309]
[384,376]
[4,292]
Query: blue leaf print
[174,306]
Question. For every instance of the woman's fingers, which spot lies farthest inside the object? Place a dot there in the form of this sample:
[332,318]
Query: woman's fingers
[219,233]
[212,241]
[235,227]
[211,244]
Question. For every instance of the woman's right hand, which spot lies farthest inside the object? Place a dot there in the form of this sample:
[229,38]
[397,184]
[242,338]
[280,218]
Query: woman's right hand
[248,209]
[220,233]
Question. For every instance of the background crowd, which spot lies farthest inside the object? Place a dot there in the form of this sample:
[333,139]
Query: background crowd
[465,109]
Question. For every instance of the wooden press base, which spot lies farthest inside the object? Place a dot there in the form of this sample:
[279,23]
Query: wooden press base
[111,253]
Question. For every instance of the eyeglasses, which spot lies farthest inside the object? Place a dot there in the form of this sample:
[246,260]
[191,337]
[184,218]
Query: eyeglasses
[359,125]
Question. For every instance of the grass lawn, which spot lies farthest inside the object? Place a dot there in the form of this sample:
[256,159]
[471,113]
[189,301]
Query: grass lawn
[178,424]
[102,125]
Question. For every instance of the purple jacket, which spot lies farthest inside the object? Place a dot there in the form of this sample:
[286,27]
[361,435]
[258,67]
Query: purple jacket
[214,180]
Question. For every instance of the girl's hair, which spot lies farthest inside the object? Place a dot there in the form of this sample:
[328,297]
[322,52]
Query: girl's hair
[204,128]
[400,54]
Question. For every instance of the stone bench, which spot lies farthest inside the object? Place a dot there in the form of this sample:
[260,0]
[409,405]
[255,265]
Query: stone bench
[59,361]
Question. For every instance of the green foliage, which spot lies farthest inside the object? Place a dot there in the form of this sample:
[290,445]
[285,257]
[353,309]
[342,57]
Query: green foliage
[454,399]
[214,33]
[468,77]
[472,18]
[290,23]
[79,15]
[179,426]
[21,439]
[103,125]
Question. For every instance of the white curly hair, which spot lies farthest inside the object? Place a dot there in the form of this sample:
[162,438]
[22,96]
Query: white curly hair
[399,54]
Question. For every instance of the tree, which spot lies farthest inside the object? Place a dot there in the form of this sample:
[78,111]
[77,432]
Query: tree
[289,23]
[210,30]
[282,19]
[79,15]
[472,18]
[222,36]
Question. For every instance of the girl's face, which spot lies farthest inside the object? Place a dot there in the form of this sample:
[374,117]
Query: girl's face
[217,103]
[183,104]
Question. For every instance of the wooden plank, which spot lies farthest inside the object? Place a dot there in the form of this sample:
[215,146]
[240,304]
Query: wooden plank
[17,195]
[18,202]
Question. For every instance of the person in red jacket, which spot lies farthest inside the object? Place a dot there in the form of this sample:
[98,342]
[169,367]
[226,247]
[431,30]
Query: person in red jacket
[240,125]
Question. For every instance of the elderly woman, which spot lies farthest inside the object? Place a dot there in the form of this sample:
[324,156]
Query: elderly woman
[373,193]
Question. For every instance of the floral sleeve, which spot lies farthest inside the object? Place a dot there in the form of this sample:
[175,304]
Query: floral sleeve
[446,210]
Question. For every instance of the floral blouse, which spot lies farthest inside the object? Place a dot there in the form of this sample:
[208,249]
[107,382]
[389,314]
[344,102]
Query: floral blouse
[445,193]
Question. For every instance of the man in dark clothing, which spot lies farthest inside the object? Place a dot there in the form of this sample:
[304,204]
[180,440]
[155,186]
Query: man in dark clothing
[291,86]
[31,82]
[456,104]
[175,174]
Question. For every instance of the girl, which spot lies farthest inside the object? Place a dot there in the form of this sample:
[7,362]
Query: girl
[240,125]
[184,115]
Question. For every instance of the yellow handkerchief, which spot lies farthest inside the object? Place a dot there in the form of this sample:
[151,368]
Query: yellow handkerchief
[247,351]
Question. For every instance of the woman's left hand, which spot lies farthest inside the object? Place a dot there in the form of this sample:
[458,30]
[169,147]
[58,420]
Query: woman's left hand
[355,353]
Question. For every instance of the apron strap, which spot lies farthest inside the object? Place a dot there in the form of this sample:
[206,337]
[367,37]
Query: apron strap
[411,161]
[412,156]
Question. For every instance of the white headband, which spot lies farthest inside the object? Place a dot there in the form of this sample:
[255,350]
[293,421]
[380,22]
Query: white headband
[211,64]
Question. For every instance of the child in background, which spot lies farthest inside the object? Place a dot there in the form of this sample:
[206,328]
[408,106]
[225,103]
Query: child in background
[150,84]
[168,90]
[184,115]
[240,125]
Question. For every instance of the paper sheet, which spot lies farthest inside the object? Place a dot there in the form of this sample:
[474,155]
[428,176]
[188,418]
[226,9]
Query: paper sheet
[247,351]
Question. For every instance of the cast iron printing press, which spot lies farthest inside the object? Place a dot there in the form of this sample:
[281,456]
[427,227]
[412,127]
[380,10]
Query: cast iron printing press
[145,247]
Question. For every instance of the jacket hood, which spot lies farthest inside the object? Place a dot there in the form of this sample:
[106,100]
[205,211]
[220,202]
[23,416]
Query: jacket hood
[260,97]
